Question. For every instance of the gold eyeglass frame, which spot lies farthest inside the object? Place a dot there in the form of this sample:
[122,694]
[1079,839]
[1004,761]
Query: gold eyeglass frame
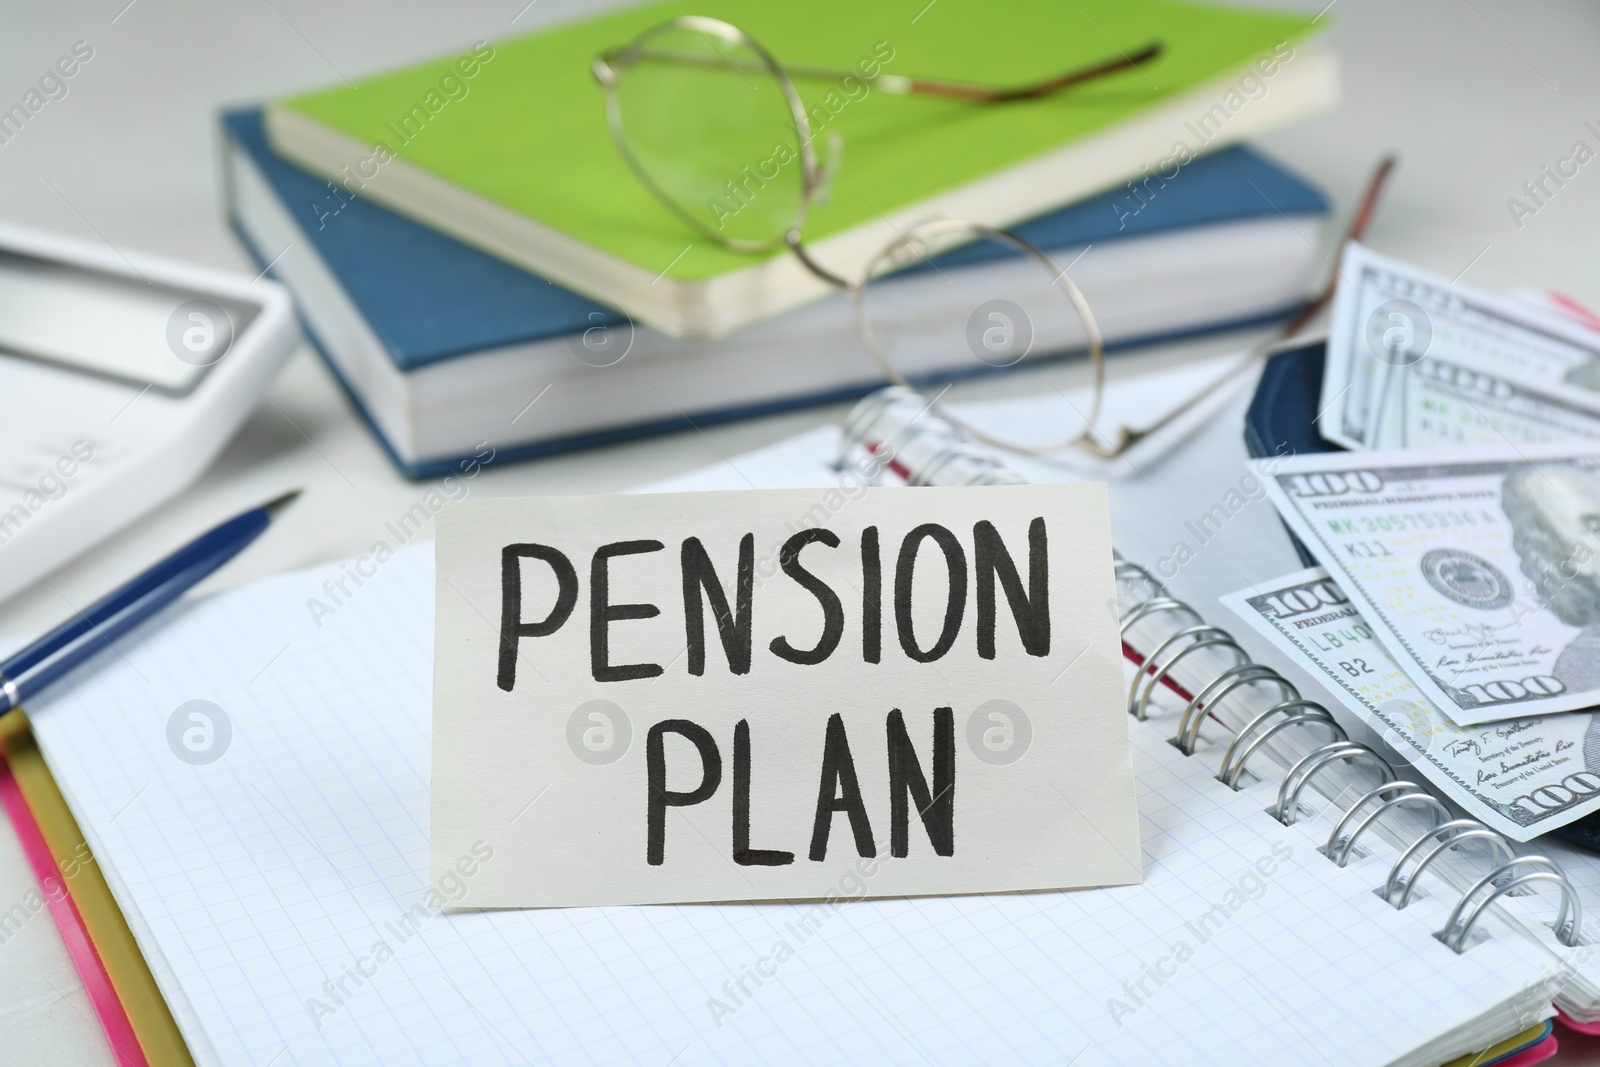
[912,243]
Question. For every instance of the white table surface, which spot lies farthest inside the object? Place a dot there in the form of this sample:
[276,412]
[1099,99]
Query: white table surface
[1475,95]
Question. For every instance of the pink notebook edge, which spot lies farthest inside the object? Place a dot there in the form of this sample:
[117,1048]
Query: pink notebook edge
[85,957]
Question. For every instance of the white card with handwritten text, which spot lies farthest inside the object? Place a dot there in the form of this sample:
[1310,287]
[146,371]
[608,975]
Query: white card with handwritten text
[760,695]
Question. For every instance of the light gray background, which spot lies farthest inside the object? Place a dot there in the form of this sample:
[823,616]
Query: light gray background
[1475,95]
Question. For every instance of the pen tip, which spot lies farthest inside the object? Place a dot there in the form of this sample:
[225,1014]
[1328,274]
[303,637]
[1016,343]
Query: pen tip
[273,507]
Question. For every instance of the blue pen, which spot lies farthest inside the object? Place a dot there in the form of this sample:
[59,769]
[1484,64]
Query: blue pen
[113,615]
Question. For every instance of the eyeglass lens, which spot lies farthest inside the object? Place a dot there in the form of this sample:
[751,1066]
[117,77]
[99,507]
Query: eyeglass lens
[709,124]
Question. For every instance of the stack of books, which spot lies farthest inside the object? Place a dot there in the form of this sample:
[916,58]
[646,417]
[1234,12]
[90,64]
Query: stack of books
[483,273]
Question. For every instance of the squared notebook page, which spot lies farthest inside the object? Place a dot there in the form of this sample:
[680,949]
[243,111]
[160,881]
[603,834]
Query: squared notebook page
[266,880]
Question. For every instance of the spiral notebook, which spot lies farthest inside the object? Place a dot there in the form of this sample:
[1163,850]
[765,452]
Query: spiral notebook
[280,892]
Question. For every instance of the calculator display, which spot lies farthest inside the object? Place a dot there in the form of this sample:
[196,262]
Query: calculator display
[147,334]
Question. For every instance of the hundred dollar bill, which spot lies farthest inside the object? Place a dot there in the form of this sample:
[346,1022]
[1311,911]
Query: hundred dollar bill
[1414,360]
[1522,777]
[1478,568]
[1437,403]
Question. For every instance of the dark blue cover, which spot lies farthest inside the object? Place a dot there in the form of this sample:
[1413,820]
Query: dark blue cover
[429,297]
[1282,420]
[1283,414]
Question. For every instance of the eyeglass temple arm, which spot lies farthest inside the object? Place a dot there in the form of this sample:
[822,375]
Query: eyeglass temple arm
[903,85]
[1358,229]
[797,246]
[1126,437]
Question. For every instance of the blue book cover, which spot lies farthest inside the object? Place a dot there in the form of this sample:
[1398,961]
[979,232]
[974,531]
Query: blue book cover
[429,297]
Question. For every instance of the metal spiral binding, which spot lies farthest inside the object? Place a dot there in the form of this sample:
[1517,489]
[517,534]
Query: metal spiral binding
[898,426]
[1458,926]
[1340,844]
[1450,835]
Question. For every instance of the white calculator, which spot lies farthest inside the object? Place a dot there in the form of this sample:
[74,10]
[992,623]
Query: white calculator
[123,375]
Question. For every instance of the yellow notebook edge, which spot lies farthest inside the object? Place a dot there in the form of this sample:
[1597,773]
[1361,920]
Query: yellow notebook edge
[130,975]
[1518,1042]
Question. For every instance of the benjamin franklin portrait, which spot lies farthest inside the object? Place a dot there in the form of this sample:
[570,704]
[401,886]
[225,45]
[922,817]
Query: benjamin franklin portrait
[1555,522]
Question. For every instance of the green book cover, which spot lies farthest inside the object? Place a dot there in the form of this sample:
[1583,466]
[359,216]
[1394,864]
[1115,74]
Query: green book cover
[527,128]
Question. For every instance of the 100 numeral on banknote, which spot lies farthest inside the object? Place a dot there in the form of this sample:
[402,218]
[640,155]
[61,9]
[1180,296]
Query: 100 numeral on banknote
[1478,569]
[1522,777]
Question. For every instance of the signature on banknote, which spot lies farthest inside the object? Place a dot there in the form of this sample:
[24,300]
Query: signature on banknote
[1472,635]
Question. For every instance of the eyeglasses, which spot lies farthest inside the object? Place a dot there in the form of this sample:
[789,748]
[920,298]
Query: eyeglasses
[713,125]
